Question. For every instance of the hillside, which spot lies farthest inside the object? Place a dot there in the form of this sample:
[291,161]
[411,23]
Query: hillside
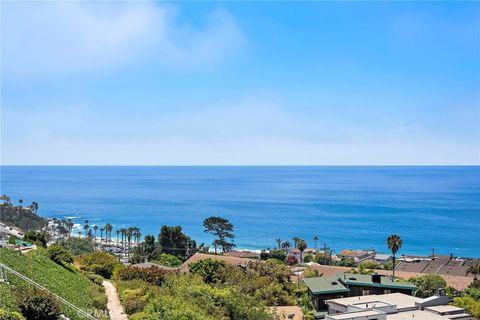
[19,217]
[67,283]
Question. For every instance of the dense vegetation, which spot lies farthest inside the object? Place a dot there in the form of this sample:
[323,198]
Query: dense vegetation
[212,290]
[23,218]
[428,285]
[98,262]
[188,297]
[65,281]
[77,246]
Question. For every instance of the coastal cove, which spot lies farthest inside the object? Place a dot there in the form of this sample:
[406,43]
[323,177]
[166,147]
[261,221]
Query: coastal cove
[347,207]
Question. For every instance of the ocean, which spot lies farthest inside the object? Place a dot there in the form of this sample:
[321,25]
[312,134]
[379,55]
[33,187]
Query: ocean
[346,207]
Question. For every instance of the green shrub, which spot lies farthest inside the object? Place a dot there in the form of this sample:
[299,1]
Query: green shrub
[153,275]
[168,260]
[322,259]
[134,304]
[59,254]
[99,262]
[99,299]
[37,237]
[188,297]
[12,239]
[38,305]
[8,301]
[207,269]
[68,283]
[10,315]
[428,285]
[369,265]
[346,262]
[308,258]
[77,246]
[93,277]
[471,305]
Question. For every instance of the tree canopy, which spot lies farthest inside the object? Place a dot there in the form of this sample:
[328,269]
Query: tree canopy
[223,230]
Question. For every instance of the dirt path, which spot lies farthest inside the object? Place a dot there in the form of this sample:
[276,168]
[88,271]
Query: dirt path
[115,308]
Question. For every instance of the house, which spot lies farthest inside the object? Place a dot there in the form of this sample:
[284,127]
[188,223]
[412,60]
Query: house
[235,261]
[441,264]
[296,253]
[357,255]
[382,259]
[243,254]
[148,265]
[343,285]
[394,306]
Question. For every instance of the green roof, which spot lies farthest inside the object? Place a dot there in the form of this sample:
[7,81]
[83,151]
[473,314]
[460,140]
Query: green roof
[366,280]
[324,285]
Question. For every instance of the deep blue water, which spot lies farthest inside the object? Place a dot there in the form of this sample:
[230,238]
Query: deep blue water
[347,207]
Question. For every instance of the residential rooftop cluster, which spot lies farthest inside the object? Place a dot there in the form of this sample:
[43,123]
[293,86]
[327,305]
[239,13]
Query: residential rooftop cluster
[443,265]
[394,306]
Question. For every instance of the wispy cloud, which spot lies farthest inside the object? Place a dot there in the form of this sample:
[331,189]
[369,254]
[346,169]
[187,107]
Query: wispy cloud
[56,37]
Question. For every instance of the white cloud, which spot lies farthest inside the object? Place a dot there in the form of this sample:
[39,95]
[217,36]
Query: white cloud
[56,37]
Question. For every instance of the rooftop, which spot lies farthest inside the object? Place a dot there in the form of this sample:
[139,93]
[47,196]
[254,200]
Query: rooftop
[355,315]
[417,314]
[402,301]
[366,280]
[202,256]
[444,309]
[325,285]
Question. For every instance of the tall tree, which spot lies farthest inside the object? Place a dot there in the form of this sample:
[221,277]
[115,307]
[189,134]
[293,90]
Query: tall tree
[173,241]
[69,227]
[86,226]
[279,243]
[286,245]
[315,239]
[101,235]
[95,228]
[394,244]
[108,232]
[475,270]
[222,229]
[301,245]
[295,241]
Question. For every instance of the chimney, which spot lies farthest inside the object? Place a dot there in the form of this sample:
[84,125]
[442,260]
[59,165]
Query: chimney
[376,278]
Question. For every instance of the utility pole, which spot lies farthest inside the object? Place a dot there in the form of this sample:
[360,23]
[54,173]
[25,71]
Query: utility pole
[325,253]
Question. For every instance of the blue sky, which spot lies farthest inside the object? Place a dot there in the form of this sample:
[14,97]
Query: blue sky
[240,83]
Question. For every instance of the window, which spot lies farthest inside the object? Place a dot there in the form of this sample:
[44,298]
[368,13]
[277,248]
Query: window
[387,291]
[365,292]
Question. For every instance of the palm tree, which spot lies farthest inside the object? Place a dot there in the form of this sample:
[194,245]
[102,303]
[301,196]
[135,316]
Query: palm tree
[475,270]
[295,241]
[117,232]
[79,234]
[108,231]
[301,245]
[95,228]
[20,201]
[394,243]
[86,227]
[279,242]
[101,235]
[69,227]
[129,234]
[315,239]
[286,245]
